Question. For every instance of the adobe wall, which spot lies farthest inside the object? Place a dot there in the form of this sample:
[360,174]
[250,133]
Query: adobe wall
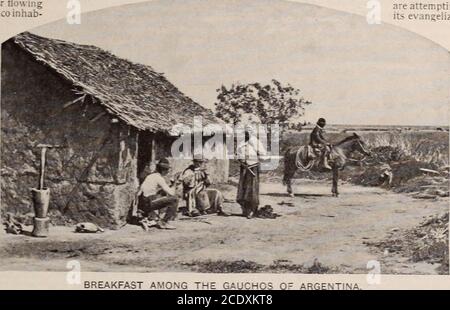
[32,112]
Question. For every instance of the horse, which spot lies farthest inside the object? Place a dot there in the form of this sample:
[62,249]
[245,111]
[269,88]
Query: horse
[303,158]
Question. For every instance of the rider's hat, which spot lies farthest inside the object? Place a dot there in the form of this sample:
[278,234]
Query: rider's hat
[321,121]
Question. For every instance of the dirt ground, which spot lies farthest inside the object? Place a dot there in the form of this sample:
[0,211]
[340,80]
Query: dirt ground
[313,227]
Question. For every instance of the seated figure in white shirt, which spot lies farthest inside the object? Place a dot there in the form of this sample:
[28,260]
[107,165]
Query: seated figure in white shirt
[155,194]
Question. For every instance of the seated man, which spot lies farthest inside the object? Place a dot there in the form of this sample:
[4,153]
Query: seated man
[198,196]
[319,144]
[155,194]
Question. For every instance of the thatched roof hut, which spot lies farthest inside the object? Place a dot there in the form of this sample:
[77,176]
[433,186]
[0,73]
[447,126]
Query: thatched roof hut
[134,93]
[113,117]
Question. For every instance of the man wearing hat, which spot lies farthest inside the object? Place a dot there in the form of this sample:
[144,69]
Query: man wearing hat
[249,152]
[319,144]
[199,198]
[155,194]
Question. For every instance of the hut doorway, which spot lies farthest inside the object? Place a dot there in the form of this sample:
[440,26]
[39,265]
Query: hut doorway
[146,154]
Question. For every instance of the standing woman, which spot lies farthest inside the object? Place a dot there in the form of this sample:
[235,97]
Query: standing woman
[248,190]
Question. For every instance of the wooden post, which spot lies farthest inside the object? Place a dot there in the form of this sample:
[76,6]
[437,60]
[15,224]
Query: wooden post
[153,154]
[226,161]
[42,172]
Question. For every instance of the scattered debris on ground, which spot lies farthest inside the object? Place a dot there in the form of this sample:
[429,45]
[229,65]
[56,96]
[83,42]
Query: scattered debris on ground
[427,242]
[11,225]
[199,219]
[243,266]
[266,212]
[284,203]
[426,187]
[391,168]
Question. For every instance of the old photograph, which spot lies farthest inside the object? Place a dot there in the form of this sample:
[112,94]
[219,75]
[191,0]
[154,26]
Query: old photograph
[244,136]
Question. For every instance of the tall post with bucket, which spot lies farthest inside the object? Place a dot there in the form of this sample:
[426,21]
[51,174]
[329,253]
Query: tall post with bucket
[41,198]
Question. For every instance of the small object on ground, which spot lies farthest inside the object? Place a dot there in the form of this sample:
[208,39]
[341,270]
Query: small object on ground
[165,225]
[282,261]
[386,176]
[13,229]
[146,223]
[87,228]
[395,229]
[196,219]
[424,196]
[11,225]
[290,204]
[442,193]
[266,212]
[317,267]
[328,215]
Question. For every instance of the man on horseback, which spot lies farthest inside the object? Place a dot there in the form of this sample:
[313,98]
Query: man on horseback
[319,144]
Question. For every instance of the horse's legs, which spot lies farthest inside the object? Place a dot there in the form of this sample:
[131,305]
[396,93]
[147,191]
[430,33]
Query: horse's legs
[289,188]
[289,171]
[334,189]
[287,180]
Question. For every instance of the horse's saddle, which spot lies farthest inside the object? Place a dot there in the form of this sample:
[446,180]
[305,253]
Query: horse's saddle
[313,152]
[307,157]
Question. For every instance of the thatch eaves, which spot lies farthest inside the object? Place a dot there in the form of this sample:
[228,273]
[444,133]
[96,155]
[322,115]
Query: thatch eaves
[132,92]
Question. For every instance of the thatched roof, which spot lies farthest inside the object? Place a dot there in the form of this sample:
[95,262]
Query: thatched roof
[132,92]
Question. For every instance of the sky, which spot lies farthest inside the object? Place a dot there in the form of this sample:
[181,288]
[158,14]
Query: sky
[353,72]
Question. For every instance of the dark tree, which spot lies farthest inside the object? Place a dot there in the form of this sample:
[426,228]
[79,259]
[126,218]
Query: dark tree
[272,103]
